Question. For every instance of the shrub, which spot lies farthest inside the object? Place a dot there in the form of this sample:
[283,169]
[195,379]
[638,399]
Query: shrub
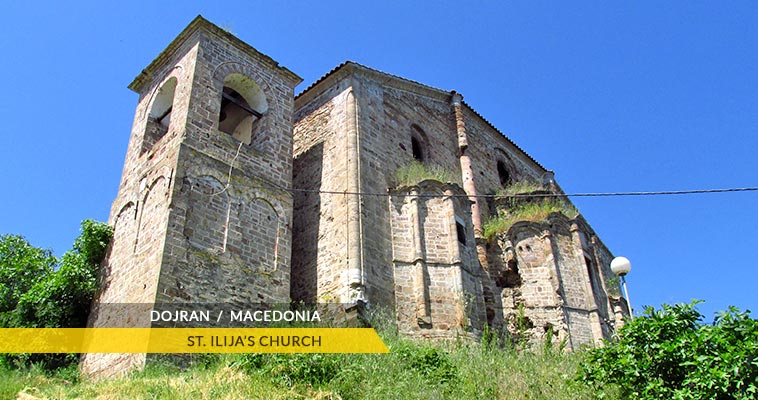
[668,353]
[430,363]
[48,294]
[22,266]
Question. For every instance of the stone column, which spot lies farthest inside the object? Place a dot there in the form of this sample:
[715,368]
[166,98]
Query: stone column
[419,264]
[355,282]
[589,290]
[467,175]
[556,280]
[608,303]
[455,250]
[455,255]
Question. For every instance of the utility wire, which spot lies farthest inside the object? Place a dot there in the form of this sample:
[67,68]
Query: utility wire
[546,195]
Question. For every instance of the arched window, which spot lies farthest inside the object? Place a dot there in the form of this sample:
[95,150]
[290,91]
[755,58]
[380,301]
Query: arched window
[242,105]
[418,154]
[418,143]
[503,174]
[159,118]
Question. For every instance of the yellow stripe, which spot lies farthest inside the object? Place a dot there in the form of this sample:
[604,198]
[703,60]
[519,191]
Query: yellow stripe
[190,340]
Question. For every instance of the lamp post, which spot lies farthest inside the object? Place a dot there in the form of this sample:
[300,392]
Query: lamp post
[621,266]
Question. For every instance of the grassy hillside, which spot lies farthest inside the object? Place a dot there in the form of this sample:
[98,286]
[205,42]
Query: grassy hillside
[413,370]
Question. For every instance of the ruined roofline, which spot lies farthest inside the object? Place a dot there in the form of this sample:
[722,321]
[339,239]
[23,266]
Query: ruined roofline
[430,184]
[398,82]
[585,225]
[198,24]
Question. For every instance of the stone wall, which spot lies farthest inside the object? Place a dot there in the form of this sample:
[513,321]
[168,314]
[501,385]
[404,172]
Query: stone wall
[200,217]
[139,214]
[320,233]
[358,113]
[437,275]
[558,286]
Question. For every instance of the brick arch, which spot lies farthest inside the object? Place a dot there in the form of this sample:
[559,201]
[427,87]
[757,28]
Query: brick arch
[528,228]
[256,231]
[528,244]
[205,218]
[120,250]
[195,170]
[261,129]
[504,163]
[176,72]
[127,212]
[256,193]
[419,143]
[233,67]
[149,211]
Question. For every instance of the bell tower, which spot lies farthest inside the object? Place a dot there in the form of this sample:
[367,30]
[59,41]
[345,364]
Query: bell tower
[204,208]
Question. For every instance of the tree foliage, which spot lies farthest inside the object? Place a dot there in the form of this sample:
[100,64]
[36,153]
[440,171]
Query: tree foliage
[39,291]
[21,267]
[669,353]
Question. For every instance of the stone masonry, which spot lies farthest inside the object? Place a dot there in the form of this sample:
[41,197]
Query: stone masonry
[203,212]
[235,191]
[420,251]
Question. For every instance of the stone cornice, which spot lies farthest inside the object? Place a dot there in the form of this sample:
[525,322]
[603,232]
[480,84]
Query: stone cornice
[202,24]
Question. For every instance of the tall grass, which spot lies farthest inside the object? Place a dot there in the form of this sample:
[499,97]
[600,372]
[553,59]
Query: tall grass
[520,187]
[534,211]
[413,370]
[415,172]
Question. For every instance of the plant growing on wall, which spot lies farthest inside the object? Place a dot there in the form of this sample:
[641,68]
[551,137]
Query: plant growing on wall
[534,211]
[613,286]
[415,172]
[521,187]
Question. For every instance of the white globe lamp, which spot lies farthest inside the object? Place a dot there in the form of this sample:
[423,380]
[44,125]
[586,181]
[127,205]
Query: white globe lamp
[621,266]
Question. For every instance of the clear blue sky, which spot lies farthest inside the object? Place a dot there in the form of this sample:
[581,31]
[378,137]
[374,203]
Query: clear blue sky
[613,96]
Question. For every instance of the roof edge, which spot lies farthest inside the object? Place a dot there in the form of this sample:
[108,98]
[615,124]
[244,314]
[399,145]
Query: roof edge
[401,83]
[511,142]
[395,81]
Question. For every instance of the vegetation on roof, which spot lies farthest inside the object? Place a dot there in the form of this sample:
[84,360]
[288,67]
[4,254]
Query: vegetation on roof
[415,172]
[521,187]
[535,211]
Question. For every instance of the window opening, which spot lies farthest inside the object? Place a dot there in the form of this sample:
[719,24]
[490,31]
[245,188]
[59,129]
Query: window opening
[165,118]
[416,149]
[243,104]
[461,231]
[234,112]
[591,272]
[502,172]
[159,117]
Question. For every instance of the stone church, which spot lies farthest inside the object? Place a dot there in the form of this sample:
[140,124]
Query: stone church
[236,191]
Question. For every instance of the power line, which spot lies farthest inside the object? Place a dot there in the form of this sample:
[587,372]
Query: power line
[539,194]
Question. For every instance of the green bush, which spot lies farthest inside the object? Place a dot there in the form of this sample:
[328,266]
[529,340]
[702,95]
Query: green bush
[669,353]
[290,369]
[38,291]
[431,363]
